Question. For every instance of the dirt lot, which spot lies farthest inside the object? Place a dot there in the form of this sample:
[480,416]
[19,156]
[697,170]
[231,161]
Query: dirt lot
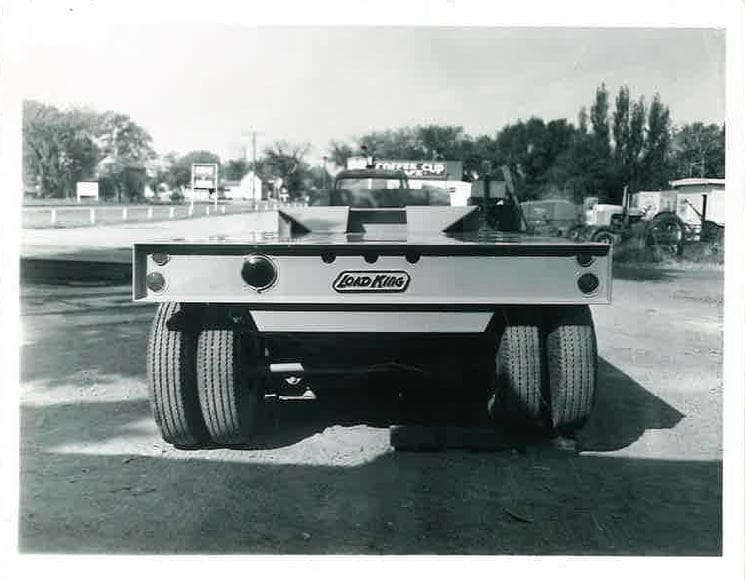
[96,478]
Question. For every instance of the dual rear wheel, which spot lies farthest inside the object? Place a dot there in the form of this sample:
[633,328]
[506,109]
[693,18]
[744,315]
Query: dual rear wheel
[206,386]
[207,381]
[545,370]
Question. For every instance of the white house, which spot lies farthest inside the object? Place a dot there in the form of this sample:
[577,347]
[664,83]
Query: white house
[249,188]
[706,195]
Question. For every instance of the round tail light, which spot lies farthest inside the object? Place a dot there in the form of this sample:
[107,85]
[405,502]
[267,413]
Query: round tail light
[588,283]
[259,272]
[155,281]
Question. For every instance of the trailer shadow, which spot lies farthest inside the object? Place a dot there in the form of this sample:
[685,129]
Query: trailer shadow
[623,411]
[95,478]
[213,502]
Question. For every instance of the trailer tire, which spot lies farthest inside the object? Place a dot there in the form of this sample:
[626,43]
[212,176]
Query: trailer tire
[230,384]
[571,352]
[517,391]
[171,373]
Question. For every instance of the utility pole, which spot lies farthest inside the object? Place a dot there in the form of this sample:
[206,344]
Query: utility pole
[252,133]
[253,165]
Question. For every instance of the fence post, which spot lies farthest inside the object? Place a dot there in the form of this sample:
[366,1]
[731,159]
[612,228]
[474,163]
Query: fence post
[53,217]
[206,210]
[124,213]
[222,209]
[150,213]
[170,212]
[191,209]
[92,216]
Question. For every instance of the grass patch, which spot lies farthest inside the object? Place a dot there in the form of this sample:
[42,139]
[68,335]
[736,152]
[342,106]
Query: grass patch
[695,254]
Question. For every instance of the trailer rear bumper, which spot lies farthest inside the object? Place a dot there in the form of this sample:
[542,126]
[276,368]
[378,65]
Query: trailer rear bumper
[392,278]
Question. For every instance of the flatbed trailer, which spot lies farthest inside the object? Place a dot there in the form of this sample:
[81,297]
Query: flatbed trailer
[342,292]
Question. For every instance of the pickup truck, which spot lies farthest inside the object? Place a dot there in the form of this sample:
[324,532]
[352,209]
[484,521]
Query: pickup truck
[383,280]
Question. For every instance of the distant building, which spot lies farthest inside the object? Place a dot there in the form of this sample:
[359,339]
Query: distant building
[691,199]
[699,196]
[248,188]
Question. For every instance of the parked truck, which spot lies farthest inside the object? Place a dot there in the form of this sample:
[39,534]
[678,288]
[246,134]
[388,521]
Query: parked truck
[383,281]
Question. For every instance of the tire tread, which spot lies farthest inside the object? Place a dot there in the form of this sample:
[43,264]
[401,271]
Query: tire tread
[229,397]
[571,351]
[519,373]
[172,381]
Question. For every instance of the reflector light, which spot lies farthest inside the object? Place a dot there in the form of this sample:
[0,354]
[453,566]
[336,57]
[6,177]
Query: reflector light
[161,259]
[259,272]
[585,260]
[155,281]
[588,283]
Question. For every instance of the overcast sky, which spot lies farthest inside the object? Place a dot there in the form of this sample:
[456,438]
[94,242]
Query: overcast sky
[207,87]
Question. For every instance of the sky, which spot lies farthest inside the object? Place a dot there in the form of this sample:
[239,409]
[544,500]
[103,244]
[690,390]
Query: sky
[209,86]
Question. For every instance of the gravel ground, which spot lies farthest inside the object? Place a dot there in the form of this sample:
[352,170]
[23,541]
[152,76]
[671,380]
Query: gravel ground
[96,478]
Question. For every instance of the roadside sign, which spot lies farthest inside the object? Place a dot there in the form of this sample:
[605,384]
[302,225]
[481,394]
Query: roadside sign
[204,176]
[87,189]
[416,169]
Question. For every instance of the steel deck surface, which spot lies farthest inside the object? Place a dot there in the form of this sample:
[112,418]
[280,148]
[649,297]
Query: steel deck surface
[482,240]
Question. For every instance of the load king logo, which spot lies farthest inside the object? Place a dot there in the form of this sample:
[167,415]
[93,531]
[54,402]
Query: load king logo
[372,281]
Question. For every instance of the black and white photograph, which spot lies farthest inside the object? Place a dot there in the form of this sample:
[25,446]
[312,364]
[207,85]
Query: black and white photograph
[369,287]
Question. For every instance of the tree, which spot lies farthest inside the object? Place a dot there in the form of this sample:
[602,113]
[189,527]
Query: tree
[127,149]
[339,152]
[600,162]
[656,168]
[286,161]
[636,143]
[599,121]
[629,121]
[235,169]
[59,148]
[531,149]
[477,151]
[582,120]
[622,128]
[699,151]
[441,141]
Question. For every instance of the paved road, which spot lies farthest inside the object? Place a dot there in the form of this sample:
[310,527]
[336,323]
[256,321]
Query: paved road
[76,216]
[113,242]
[97,478]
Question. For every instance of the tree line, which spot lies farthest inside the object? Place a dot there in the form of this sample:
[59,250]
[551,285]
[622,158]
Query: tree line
[630,144]
[61,148]
[615,144]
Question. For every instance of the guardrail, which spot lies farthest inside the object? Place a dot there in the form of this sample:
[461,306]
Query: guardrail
[35,217]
